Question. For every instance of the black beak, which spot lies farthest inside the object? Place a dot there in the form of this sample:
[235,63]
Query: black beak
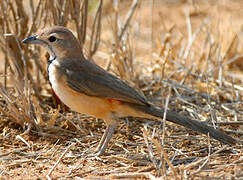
[31,40]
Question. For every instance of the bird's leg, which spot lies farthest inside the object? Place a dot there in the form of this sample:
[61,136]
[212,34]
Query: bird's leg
[105,139]
[102,140]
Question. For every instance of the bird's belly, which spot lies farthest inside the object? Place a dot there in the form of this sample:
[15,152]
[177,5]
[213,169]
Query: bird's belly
[80,102]
[77,101]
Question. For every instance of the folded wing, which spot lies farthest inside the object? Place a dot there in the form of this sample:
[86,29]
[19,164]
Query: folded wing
[89,78]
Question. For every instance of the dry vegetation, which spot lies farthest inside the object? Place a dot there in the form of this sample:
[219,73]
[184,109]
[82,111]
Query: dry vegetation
[188,51]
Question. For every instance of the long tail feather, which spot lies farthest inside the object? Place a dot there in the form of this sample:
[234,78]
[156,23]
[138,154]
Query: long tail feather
[194,125]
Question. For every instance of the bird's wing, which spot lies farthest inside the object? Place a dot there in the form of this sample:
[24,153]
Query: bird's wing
[87,77]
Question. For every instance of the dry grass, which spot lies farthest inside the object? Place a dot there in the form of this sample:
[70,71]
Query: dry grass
[189,51]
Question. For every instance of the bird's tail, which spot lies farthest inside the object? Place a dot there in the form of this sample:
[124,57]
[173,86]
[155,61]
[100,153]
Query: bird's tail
[194,125]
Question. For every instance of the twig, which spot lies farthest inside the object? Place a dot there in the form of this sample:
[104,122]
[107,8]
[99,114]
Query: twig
[58,161]
[151,155]
[165,156]
[191,91]
[133,176]
[234,132]
[230,123]
[226,83]
[22,139]
[96,29]
[204,158]
[191,37]
[164,117]
[200,168]
[128,18]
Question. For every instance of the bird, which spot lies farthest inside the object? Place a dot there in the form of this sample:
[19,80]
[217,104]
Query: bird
[89,89]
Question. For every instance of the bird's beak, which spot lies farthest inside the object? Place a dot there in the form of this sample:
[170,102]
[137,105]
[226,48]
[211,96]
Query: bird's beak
[32,40]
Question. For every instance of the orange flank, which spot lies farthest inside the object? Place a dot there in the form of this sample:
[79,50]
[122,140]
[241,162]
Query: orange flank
[115,101]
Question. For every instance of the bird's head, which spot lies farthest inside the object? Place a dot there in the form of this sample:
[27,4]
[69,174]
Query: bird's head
[59,41]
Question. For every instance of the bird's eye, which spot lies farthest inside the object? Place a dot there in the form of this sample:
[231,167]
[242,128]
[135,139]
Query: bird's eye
[52,38]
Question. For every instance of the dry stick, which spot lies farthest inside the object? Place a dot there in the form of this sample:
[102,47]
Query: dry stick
[65,10]
[61,9]
[164,65]
[79,10]
[14,52]
[14,12]
[3,46]
[179,97]
[200,168]
[191,91]
[235,112]
[60,158]
[163,137]
[165,155]
[220,71]
[183,67]
[118,58]
[47,151]
[128,18]
[32,7]
[235,132]
[231,123]
[84,17]
[35,16]
[226,83]
[165,111]
[212,110]
[205,158]
[163,134]
[20,118]
[19,162]
[133,176]
[152,158]
[29,106]
[23,140]
[188,73]
[39,133]
[96,28]
[152,28]
[225,107]
[235,58]
[191,37]
[6,65]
